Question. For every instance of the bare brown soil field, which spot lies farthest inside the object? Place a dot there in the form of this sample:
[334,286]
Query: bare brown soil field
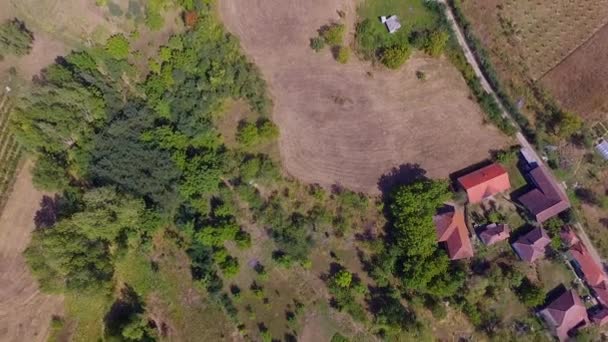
[580,82]
[350,124]
[25,312]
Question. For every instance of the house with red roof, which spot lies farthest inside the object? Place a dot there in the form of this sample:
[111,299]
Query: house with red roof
[547,199]
[565,315]
[453,233]
[485,182]
[591,271]
[494,233]
[532,245]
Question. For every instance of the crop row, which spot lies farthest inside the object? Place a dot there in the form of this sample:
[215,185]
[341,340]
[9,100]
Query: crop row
[10,154]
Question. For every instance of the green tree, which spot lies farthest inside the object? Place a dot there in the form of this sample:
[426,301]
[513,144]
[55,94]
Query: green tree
[565,124]
[343,279]
[118,46]
[15,38]
[394,56]
[530,294]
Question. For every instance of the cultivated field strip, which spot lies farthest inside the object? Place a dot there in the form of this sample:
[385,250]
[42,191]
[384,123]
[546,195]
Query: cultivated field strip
[10,153]
[549,31]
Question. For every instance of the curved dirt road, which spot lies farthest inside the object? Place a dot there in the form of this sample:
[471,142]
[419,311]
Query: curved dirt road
[350,124]
[25,312]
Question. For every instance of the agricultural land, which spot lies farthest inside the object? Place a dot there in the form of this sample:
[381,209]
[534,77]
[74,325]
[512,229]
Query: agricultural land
[276,170]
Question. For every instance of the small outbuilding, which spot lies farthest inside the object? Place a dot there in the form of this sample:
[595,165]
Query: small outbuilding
[494,233]
[485,182]
[392,23]
[532,245]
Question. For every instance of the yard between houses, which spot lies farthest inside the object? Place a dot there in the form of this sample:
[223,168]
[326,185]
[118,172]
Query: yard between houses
[350,124]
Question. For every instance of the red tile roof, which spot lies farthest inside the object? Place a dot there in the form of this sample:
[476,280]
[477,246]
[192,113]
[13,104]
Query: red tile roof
[565,314]
[568,236]
[485,182]
[494,233]
[547,199]
[532,246]
[592,271]
[452,230]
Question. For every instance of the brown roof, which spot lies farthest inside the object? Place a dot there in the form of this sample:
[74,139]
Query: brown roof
[494,233]
[485,182]
[532,245]
[547,199]
[452,230]
[565,314]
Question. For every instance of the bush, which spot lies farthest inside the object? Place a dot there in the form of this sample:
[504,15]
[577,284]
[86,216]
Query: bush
[435,43]
[530,294]
[250,134]
[118,47]
[343,54]
[394,56]
[15,38]
[333,34]
[317,43]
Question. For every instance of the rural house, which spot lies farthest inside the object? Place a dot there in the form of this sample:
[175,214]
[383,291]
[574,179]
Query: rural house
[392,23]
[565,315]
[453,232]
[590,270]
[546,199]
[485,182]
[494,233]
[532,245]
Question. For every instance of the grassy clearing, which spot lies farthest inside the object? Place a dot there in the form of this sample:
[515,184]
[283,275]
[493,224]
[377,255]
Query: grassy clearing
[86,311]
[553,273]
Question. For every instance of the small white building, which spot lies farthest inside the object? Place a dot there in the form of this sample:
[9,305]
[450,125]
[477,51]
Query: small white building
[392,23]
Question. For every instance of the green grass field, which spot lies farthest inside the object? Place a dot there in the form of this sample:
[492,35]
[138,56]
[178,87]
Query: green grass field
[411,13]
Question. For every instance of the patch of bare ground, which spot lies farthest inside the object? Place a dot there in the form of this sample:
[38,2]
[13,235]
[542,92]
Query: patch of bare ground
[580,82]
[25,312]
[350,124]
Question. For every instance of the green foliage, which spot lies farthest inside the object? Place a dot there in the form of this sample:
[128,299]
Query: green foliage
[530,294]
[343,278]
[342,54]
[435,43]
[333,34]
[565,124]
[317,43]
[342,287]
[118,46]
[394,56]
[15,38]
[250,134]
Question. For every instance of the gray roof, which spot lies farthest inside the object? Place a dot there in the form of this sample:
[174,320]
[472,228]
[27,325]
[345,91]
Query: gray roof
[602,148]
[392,23]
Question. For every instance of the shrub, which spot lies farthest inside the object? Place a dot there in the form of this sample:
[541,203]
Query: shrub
[420,75]
[530,294]
[435,43]
[394,56]
[333,34]
[15,38]
[343,54]
[117,46]
[250,134]
[317,43]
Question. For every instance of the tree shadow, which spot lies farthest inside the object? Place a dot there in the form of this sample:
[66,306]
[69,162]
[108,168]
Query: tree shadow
[405,174]
[122,310]
[46,216]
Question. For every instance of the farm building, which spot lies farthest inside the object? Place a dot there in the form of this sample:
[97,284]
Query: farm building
[547,199]
[532,245]
[494,233]
[452,231]
[392,23]
[565,315]
[485,182]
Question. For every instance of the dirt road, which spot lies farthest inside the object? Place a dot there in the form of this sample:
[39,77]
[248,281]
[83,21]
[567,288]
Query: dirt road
[25,312]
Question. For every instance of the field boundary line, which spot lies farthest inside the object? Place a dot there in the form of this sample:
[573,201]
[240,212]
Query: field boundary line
[572,52]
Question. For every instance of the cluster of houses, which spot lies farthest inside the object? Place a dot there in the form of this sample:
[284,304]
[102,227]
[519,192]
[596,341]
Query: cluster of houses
[565,314]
